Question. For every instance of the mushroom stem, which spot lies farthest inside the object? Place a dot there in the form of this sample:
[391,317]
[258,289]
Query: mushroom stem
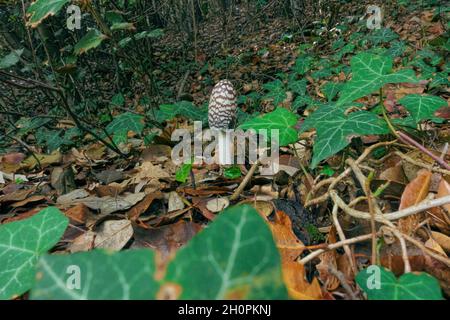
[224,148]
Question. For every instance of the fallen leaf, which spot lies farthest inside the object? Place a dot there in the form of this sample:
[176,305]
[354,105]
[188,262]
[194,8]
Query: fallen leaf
[108,205]
[142,206]
[113,234]
[26,201]
[175,202]
[78,213]
[415,192]
[45,160]
[217,204]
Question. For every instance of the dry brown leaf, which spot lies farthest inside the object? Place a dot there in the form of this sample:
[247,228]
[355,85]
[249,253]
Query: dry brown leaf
[166,239]
[113,234]
[440,216]
[78,213]
[148,171]
[416,191]
[109,205]
[134,213]
[44,159]
[290,248]
[442,239]
[26,201]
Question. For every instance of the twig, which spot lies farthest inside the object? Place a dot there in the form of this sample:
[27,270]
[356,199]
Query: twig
[333,246]
[436,256]
[414,143]
[422,206]
[344,282]
[341,234]
[334,181]
[423,165]
[401,239]
[244,182]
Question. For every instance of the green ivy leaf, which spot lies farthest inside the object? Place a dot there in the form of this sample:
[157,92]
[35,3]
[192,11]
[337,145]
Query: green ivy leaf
[123,123]
[303,64]
[237,256]
[280,119]
[298,86]
[103,276]
[422,107]
[11,59]
[183,172]
[182,108]
[334,129]
[91,40]
[41,9]
[383,35]
[232,172]
[396,49]
[331,89]
[410,286]
[276,92]
[21,243]
[370,73]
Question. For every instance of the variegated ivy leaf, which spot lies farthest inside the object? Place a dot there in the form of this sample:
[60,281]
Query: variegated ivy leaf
[370,73]
[384,35]
[335,129]
[331,89]
[21,244]
[422,107]
[276,91]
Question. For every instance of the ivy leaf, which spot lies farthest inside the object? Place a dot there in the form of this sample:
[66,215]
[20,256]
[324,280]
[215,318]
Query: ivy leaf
[303,64]
[11,59]
[331,89]
[334,129]
[102,275]
[396,49]
[410,286]
[237,256]
[41,9]
[298,86]
[91,40]
[276,91]
[232,172]
[370,73]
[383,35]
[182,108]
[422,107]
[280,119]
[123,123]
[183,172]
[21,243]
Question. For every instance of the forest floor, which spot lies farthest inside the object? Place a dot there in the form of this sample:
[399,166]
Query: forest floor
[144,200]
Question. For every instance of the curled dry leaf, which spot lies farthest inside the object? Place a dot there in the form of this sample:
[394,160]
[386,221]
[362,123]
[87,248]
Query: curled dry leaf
[134,213]
[290,248]
[442,239]
[415,192]
[440,217]
[217,204]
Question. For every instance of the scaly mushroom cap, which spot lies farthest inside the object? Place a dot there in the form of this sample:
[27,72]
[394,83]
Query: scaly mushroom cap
[222,105]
